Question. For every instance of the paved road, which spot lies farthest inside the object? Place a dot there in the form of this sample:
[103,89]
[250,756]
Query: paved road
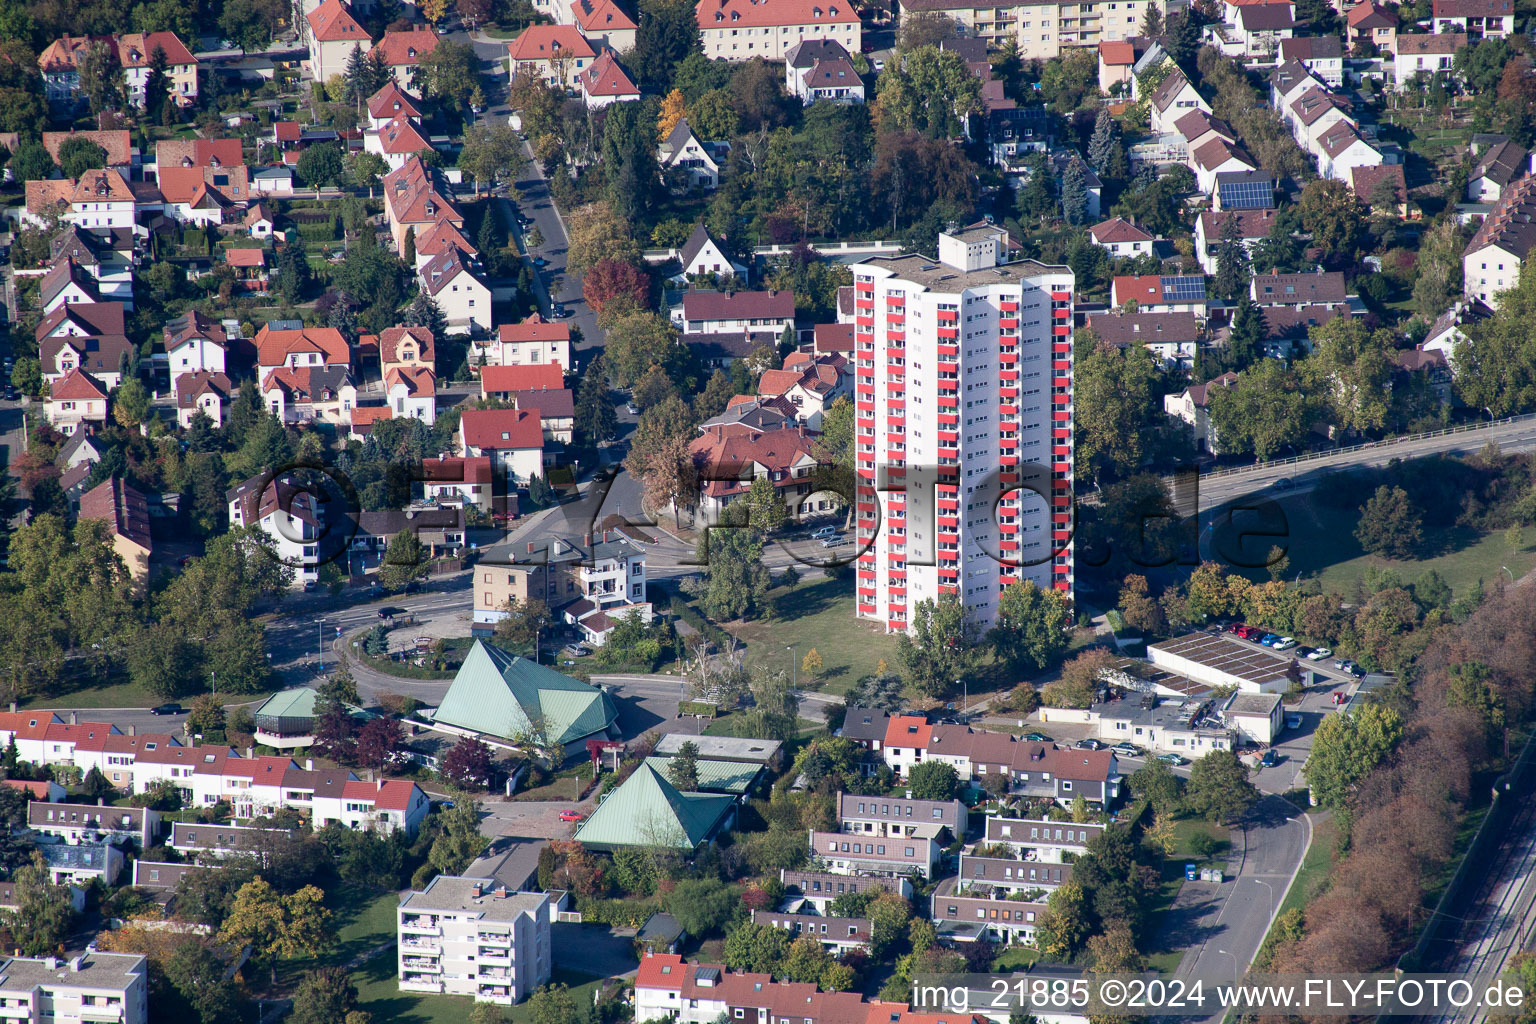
[1221,925]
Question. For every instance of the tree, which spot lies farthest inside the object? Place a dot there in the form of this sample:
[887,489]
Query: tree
[1080,679]
[492,152]
[378,741]
[1066,924]
[1347,748]
[1032,623]
[321,165]
[130,403]
[636,342]
[598,233]
[1115,390]
[101,77]
[1139,609]
[927,90]
[324,996]
[460,840]
[467,764]
[615,286]
[31,161]
[810,665]
[206,715]
[486,1013]
[683,769]
[523,622]
[673,107]
[1330,211]
[765,508]
[1232,266]
[449,74]
[1245,342]
[78,154]
[1074,192]
[425,312]
[596,420]
[1265,411]
[1438,280]
[197,974]
[1102,142]
[940,648]
[1219,787]
[44,915]
[736,582]
[1390,524]
[933,780]
[277,927]
[404,560]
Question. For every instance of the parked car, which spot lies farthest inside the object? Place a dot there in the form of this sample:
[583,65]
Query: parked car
[1177,760]
[1285,643]
[1319,654]
[1126,749]
[166,709]
[1270,758]
[1268,639]
[1339,663]
[1303,652]
[1356,671]
[1236,627]
[1293,721]
[1088,744]
[575,650]
[632,409]
[571,816]
[1037,737]
[560,312]
[823,532]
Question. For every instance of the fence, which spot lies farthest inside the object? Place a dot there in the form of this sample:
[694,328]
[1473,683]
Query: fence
[1464,428]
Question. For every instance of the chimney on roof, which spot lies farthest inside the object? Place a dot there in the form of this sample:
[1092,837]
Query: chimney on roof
[250,751]
[476,891]
[133,730]
[530,547]
[586,540]
[74,718]
[309,764]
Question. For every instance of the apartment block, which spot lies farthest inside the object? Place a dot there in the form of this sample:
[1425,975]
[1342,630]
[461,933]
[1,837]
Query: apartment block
[820,888]
[1041,28]
[897,816]
[963,417]
[474,937]
[94,988]
[841,853]
[837,935]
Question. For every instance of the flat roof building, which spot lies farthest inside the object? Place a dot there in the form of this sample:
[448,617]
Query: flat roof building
[1222,661]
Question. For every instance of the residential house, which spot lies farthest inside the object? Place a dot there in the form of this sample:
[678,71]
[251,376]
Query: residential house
[1063,159]
[1446,332]
[1476,19]
[214,842]
[126,514]
[1492,260]
[193,343]
[556,409]
[440,238]
[97,199]
[117,143]
[820,889]
[402,52]
[385,806]
[297,348]
[728,461]
[411,392]
[161,876]
[203,391]
[134,51]
[864,727]
[1370,24]
[1192,406]
[535,340]
[702,256]
[286,513]
[310,394]
[1499,163]
[1429,55]
[1032,768]
[1012,130]
[596,572]
[396,141]
[84,336]
[1251,227]
[1289,82]
[260,220]
[809,382]
[1298,289]
[95,823]
[106,256]
[1172,99]
[74,400]
[65,283]
[390,102]
[1216,158]
[1185,725]
[333,34]
[837,935]
[744,29]
[1174,338]
[464,299]
[474,937]
[512,438]
[83,864]
[1244,190]
[500,383]
[453,479]
[1321,55]
[1121,238]
[719,351]
[189,153]
[1115,63]
[205,195]
[1255,30]
[250,269]
[1172,293]
[90,987]
[1381,187]
[764,315]
[694,160]
[555,54]
[605,81]
[406,348]
[41,790]
[1342,149]
[415,197]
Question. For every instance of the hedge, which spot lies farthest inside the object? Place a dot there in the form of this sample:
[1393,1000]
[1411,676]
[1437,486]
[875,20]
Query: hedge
[713,633]
[615,913]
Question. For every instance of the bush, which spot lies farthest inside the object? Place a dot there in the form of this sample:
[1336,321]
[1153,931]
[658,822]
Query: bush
[422,876]
[616,912]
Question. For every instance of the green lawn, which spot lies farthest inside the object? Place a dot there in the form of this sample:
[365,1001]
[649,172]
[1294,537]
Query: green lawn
[1015,958]
[1321,543]
[818,612]
[121,694]
[1166,961]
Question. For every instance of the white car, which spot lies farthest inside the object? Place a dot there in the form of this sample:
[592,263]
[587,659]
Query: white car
[1320,654]
[1285,643]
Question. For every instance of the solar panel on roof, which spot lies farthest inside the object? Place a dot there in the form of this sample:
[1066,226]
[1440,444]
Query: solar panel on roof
[1186,288]
[1246,195]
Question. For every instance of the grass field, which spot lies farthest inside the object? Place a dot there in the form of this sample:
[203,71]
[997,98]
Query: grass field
[818,612]
[1321,543]
[1166,961]
[124,694]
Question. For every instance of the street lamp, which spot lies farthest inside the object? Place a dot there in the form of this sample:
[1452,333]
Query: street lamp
[794,667]
[965,698]
[320,641]
[1271,896]
[1511,575]
[1234,962]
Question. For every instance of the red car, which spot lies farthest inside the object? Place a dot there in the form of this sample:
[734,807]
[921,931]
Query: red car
[571,816]
[1236,627]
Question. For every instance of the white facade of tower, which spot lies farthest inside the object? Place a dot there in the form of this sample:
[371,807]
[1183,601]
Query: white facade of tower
[963,381]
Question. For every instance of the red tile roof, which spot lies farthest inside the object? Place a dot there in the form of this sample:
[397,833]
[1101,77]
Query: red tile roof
[38,789]
[543,42]
[454,469]
[122,508]
[753,14]
[598,16]
[387,102]
[406,48]
[332,22]
[386,794]
[77,386]
[273,347]
[1117,54]
[400,135]
[245,257]
[391,337]
[501,429]
[1117,229]
[535,328]
[908,731]
[418,380]
[365,416]
[604,77]
[523,377]
[118,144]
[738,305]
[1474,8]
